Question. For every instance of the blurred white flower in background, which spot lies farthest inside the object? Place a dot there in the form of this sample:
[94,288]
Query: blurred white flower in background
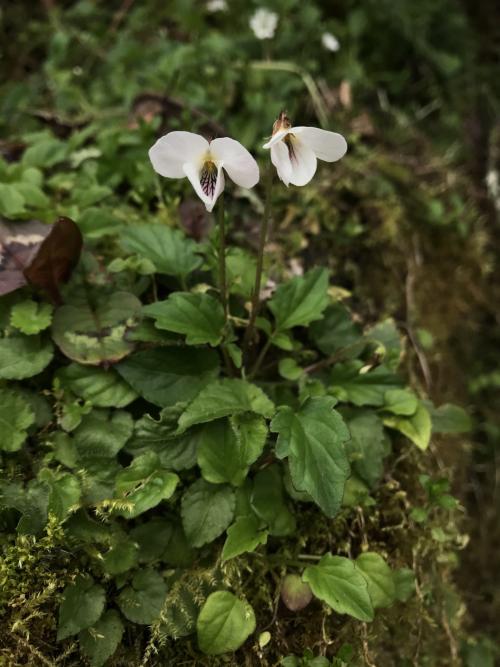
[216,5]
[330,42]
[264,23]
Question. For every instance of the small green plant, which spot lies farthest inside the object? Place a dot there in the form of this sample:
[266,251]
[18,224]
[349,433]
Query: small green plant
[185,416]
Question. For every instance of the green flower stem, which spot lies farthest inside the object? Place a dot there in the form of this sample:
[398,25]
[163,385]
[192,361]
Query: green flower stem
[222,256]
[260,359]
[222,279]
[260,260]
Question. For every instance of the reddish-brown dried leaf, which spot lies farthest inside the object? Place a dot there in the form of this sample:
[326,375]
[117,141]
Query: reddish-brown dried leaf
[38,254]
[56,258]
[19,243]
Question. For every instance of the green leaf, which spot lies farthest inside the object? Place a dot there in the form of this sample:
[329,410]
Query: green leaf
[85,529]
[34,197]
[23,357]
[135,264]
[178,553]
[152,538]
[199,317]
[368,445]
[146,332]
[31,501]
[168,376]
[404,583]
[227,449]
[349,384]
[313,439]
[289,369]
[102,433]
[64,495]
[82,605]
[71,413]
[185,598]
[31,317]
[400,402]
[100,641]
[12,202]
[417,428]
[379,578]
[224,623]
[481,652]
[98,481]
[386,337]
[169,250]
[267,500]
[88,194]
[283,341]
[174,452]
[39,404]
[144,484]
[240,269]
[207,510]
[142,602]
[244,535]
[224,398]
[356,492]
[94,333]
[160,436]
[98,221]
[301,300]
[449,418]
[104,388]
[338,582]
[336,331]
[120,558]
[235,353]
[45,153]
[16,416]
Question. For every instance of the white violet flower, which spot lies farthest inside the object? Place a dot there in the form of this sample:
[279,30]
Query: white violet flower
[264,23]
[184,154]
[296,150]
[216,5]
[330,42]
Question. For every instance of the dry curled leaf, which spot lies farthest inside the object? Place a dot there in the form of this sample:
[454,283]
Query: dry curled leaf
[37,254]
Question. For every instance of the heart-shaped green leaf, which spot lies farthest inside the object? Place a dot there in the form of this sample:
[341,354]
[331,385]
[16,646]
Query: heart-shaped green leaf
[94,332]
[224,398]
[301,300]
[82,605]
[338,582]
[207,510]
[224,623]
[199,317]
[313,439]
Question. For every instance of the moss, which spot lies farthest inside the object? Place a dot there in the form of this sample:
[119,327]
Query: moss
[33,574]
[423,631]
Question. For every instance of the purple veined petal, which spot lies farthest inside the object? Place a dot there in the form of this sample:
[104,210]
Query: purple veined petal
[208,184]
